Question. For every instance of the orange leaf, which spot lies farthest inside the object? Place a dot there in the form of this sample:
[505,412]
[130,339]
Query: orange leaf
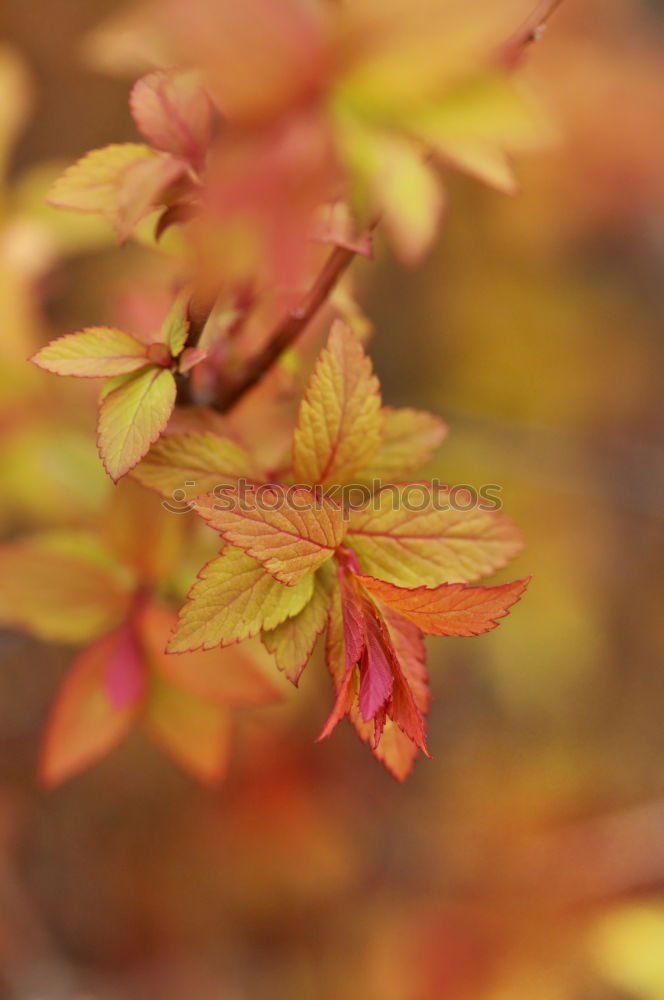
[191,729]
[131,418]
[409,438]
[340,420]
[288,531]
[89,716]
[453,609]
[229,676]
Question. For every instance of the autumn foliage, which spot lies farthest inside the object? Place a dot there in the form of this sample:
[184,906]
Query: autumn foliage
[279,139]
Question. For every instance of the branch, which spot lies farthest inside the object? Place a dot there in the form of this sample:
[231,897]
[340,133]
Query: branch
[530,30]
[286,333]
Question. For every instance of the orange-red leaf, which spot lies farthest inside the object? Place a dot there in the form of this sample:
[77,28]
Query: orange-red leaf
[89,717]
[453,609]
[288,531]
[340,420]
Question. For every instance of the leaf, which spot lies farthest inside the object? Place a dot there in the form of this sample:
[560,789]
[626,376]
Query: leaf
[85,723]
[58,597]
[339,422]
[396,541]
[409,439]
[292,642]
[93,183]
[121,182]
[194,463]
[174,114]
[175,327]
[142,534]
[399,187]
[131,418]
[191,729]
[144,186]
[229,676]
[233,599]
[95,352]
[475,124]
[372,673]
[288,531]
[453,609]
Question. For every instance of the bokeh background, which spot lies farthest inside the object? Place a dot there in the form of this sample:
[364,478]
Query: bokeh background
[526,860]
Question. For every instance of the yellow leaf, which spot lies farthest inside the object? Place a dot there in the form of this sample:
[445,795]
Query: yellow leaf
[131,418]
[58,596]
[406,536]
[292,642]
[339,422]
[233,599]
[474,125]
[409,439]
[289,531]
[93,183]
[95,352]
[194,464]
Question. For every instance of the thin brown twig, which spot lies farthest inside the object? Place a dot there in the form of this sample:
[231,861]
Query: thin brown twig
[285,334]
[531,27]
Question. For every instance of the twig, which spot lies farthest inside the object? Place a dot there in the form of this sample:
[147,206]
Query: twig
[285,334]
[530,30]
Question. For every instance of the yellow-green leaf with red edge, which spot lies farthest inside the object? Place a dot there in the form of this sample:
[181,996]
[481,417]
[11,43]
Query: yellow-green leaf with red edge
[234,598]
[173,112]
[190,728]
[85,722]
[230,676]
[131,418]
[93,183]
[452,609]
[194,463]
[340,421]
[290,531]
[95,352]
[409,438]
[57,596]
[174,329]
[292,642]
[404,535]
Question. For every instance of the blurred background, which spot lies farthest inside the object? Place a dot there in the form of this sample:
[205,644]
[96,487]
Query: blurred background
[526,860]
